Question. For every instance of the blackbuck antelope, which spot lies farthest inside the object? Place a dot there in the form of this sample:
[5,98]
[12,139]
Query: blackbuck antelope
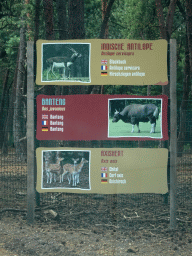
[53,170]
[73,171]
[63,62]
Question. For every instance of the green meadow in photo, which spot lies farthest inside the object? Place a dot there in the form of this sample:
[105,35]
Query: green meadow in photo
[121,129]
[59,77]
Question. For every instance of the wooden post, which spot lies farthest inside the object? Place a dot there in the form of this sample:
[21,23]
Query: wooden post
[30,134]
[173,134]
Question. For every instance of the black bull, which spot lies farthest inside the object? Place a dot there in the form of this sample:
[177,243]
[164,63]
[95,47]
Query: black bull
[136,113]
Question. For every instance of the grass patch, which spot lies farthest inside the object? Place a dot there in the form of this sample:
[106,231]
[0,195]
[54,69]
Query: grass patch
[59,77]
[121,129]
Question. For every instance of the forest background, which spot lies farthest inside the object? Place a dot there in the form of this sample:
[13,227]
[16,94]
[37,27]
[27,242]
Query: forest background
[30,20]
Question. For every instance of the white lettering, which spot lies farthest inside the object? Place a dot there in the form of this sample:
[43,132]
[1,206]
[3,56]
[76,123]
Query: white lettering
[117,61]
[56,117]
[112,175]
[56,129]
[56,123]
[117,181]
[113,169]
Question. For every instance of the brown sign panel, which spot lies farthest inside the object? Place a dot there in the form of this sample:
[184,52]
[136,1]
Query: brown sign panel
[102,117]
[102,62]
[102,170]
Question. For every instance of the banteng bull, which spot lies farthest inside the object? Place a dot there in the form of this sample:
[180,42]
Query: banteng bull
[136,113]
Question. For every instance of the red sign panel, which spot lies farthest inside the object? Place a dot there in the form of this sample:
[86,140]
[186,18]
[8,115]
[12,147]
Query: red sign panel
[102,117]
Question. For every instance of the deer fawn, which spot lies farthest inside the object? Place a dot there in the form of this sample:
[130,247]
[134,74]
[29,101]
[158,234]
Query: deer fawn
[53,170]
[73,171]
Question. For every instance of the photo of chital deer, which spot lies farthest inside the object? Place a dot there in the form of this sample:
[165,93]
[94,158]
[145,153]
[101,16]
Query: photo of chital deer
[66,169]
[73,171]
[53,170]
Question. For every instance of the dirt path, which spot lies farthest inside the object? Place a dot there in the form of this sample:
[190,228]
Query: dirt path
[54,239]
[4,252]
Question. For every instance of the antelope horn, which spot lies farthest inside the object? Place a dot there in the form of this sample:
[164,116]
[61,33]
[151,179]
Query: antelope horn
[70,48]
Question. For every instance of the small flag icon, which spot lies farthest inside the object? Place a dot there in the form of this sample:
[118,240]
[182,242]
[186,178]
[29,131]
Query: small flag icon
[103,73]
[104,169]
[103,67]
[45,129]
[104,181]
[103,175]
[103,61]
[45,116]
[44,122]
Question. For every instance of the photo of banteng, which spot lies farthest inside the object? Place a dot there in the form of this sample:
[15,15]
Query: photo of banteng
[66,169]
[144,113]
[66,62]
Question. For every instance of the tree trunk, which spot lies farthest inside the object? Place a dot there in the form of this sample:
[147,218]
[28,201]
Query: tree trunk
[185,98]
[9,118]
[76,19]
[62,19]
[62,27]
[189,28]
[76,31]
[48,13]
[3,111]
[49,35]
[104,24]
[106,9]
[37,10]
[165,33]
[20,146]
[165,29]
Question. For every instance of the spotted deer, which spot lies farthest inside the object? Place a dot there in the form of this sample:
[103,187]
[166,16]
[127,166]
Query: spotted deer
[53,170]
[73,171]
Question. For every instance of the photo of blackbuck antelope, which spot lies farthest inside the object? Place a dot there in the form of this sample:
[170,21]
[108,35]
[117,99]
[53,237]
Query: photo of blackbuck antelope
[63,62]
[73,171]
[53,170]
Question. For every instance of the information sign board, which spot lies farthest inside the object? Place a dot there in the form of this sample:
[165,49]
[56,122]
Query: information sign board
[102,117]
[102,170]
[102,62]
